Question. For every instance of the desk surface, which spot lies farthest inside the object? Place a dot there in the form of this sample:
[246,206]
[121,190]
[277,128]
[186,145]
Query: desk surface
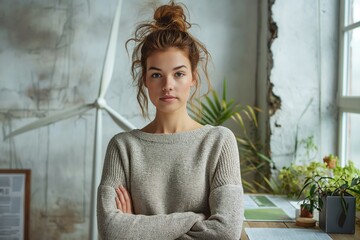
[292,225]
[263,199]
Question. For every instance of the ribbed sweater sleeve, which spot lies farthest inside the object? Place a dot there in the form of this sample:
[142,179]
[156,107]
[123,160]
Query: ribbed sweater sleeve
[225,200]
[113,224]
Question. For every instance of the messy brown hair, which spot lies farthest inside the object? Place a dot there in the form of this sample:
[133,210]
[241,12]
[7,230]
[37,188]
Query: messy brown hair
[168,29]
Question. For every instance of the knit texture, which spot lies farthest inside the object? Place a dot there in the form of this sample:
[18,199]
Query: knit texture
[184,185]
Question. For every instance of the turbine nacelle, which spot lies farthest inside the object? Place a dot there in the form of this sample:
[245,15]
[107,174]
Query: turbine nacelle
[100,103]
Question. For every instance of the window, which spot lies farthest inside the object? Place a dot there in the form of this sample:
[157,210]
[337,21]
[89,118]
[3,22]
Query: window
[349,82]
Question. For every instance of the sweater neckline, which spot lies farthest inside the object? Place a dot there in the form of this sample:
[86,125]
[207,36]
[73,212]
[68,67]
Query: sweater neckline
[185,136]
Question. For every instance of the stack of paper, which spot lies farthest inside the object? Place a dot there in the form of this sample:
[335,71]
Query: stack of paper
[285,234]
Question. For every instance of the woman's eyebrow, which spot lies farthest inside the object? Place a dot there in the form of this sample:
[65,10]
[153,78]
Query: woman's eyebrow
[154,68]
[159,69]
[182,66]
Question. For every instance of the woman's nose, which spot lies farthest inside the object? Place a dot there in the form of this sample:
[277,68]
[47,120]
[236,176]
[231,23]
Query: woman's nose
[168,84]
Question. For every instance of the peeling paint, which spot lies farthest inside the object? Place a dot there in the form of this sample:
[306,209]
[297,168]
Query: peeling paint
[274,101]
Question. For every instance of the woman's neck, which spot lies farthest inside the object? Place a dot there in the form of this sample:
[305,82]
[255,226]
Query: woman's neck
[170,123]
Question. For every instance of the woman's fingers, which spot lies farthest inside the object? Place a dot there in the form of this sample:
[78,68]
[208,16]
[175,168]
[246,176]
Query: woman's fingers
[127,199]
[118,204]
[120,200]
[123,200]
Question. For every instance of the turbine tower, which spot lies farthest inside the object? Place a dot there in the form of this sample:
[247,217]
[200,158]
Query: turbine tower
[99,105]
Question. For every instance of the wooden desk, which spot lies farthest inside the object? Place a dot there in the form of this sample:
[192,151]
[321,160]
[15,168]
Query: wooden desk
[355,236]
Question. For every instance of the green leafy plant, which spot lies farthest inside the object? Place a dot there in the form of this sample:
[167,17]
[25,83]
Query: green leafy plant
[215,111]
[292,177]
[348,172]
[289,179]
[320,186]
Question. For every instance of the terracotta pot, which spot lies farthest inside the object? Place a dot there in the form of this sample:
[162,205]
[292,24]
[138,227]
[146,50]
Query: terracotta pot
[304,212]
[330,162]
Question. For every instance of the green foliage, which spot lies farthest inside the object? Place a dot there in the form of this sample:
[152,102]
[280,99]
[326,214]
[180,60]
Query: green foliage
[294,181]
[215,112]
[349,172]
[292,177]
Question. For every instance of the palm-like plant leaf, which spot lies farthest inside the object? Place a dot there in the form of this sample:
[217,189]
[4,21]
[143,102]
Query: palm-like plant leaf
[213,111]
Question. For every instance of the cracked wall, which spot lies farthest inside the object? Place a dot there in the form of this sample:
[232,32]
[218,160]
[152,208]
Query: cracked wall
[274,101]
[302,95]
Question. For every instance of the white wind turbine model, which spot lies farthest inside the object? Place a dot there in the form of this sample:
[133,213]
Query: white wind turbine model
[99,105]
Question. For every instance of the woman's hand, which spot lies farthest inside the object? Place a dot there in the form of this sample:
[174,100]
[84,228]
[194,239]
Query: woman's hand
[123,200]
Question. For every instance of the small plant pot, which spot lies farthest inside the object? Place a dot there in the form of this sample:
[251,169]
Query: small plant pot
[305,212]
[333,218]
[330,162]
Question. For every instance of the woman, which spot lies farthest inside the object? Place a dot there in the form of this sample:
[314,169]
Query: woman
[173,179]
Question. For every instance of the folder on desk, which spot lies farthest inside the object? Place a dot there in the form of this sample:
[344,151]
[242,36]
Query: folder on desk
[266,207]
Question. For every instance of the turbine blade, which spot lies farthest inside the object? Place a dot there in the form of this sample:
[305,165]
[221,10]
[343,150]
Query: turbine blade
[51,119]
[119,120]
[110,54]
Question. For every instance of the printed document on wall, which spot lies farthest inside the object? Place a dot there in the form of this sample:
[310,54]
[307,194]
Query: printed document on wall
[12,212]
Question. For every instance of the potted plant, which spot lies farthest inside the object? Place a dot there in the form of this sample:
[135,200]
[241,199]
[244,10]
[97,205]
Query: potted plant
[333,198]
[307,208]
[330,161]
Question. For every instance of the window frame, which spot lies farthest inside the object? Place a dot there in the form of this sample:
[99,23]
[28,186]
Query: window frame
[345,104]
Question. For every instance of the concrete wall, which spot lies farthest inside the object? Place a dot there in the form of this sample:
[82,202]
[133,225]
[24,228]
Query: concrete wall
[51,57]
[304,76]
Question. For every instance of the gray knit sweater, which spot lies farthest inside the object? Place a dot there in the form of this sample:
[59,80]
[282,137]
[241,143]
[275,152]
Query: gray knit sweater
[184,185]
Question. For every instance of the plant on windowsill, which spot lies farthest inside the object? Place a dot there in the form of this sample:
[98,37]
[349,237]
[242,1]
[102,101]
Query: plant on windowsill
[333,198]
[290,178]
[330,161]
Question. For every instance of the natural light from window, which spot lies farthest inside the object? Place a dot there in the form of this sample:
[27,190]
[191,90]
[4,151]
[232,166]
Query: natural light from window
[352,84]
[354,16]
[353,138]
[349,98]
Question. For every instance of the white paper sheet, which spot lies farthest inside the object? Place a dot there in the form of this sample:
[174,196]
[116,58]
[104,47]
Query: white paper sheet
[285,234]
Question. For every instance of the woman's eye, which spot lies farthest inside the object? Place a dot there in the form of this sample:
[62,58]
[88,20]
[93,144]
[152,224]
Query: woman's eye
[155,75]
[179,74]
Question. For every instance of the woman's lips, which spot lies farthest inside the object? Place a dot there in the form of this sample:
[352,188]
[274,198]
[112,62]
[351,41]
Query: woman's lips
[168,98]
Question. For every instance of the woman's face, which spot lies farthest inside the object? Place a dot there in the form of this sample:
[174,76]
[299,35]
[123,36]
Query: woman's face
[168,79]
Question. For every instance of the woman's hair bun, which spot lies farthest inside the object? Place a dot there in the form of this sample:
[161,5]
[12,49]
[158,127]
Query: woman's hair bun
[171,16]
